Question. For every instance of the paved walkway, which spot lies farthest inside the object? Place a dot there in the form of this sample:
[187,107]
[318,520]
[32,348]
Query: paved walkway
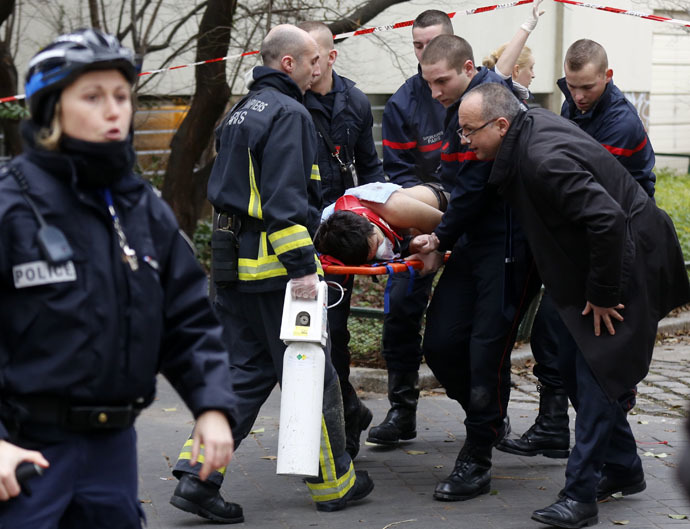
[405,476]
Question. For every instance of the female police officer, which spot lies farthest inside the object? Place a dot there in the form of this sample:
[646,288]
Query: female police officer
[98,292]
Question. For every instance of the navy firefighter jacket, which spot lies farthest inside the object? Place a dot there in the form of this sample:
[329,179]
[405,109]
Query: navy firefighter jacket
[267,169]
[613,121]
[345,114]
[93,331]
[473,209]
[412,133]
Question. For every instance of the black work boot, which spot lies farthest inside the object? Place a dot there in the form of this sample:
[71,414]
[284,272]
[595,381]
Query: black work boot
[470,477]
[203,498]
[362,487]
[401,420]
[549,435]
[357,419]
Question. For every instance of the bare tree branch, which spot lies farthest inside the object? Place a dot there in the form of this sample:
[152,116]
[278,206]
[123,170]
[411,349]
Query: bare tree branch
[173,31]
[362,15]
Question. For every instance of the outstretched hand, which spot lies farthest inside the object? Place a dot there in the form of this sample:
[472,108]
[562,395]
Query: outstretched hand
[213,431]
[604,314]
[531,22]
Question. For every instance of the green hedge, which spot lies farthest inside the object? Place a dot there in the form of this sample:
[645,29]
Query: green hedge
[673,196]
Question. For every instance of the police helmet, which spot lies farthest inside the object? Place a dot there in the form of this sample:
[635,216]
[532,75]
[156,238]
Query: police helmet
[68,56]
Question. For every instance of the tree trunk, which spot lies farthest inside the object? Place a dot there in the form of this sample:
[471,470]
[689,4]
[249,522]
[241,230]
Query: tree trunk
[8,85]
[184,188]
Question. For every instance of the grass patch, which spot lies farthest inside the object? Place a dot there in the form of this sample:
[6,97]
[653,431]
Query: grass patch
[673,196]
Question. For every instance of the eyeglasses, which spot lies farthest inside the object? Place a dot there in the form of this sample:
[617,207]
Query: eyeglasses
[465,136]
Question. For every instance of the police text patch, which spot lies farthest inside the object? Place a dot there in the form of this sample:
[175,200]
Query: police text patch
[38,273]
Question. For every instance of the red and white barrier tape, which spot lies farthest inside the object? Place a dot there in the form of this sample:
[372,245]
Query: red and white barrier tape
[408,23]
[357,33]
[647,16]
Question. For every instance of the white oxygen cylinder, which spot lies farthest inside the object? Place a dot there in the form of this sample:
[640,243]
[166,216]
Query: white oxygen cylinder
[304,330]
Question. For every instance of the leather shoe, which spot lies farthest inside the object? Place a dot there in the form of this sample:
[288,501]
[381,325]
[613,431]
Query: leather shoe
[610,484]
[203,499]
[568,513]
[470,477]
[362,487]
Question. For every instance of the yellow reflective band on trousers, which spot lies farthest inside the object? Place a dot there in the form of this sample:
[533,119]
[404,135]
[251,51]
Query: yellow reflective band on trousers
[333,487]
[315,174]
[254,207]
[289,238]
[186,454]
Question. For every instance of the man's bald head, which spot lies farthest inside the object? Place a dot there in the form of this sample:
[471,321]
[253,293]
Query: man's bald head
[283,40]
[294,52]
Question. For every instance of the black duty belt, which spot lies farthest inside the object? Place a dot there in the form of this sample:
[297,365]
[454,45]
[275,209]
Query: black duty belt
[239,223]
[75,417]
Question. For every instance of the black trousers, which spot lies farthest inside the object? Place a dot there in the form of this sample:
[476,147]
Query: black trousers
[91,482]
[603,439]
[402,325]
[337,329]
[548,330]
[470,331]
[251,329]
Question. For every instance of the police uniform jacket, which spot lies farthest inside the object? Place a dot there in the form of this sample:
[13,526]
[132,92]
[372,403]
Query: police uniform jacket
[596,236]
[267,169]
[613,121]
[473,210]
[93,331]
[412,133]
[345,115]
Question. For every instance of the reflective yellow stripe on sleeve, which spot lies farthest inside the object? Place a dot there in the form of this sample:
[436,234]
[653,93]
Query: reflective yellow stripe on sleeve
[315,174]
[289,239]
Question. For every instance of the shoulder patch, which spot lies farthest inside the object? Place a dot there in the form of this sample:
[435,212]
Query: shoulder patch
[36,273]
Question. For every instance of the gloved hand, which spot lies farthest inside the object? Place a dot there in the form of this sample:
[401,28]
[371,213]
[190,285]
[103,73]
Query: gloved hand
[305,286]
[531,22]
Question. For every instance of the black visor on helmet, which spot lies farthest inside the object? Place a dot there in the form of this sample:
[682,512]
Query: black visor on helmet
[67,57]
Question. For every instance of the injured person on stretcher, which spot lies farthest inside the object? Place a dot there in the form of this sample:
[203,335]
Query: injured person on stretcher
[376,221]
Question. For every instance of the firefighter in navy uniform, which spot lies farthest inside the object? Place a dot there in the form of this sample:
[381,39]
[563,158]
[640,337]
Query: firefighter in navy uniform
[98,291]
[265,185]
[412,131]
[347,157]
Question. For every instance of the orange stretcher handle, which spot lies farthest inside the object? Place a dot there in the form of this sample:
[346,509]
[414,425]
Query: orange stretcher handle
[377,269]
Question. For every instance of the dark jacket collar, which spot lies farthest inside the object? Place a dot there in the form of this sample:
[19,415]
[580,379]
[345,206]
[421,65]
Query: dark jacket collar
[611,92]
[505,161]
[341,87]
[265,77]
[60,166]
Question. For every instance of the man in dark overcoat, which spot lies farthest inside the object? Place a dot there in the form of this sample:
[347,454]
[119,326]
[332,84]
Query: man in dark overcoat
[608,255]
